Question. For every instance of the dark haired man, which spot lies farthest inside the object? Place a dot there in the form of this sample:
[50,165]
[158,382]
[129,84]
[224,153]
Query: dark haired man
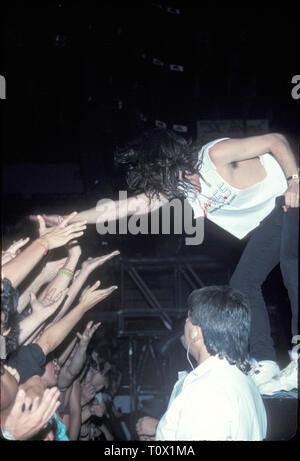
[216,400]
[234,183]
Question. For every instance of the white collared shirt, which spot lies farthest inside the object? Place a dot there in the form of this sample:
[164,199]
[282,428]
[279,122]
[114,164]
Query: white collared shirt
[216,401]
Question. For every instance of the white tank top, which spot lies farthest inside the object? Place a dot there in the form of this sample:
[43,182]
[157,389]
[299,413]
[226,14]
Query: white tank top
[238,211]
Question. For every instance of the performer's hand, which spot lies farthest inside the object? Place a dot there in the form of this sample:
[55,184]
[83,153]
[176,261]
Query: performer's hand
[50,220]
[292,195]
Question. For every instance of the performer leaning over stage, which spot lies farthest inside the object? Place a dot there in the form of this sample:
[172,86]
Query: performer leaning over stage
[234,183]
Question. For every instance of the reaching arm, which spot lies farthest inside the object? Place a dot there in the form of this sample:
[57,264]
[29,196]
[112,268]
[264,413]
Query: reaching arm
[87,268]
[18,268]
[40,313]
[75,412]
[64,275]
[112,210]
[53,336]
[46,275]
[73,367]
[68,351]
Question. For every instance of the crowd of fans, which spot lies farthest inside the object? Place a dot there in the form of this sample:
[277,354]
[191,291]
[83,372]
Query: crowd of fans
[54,386]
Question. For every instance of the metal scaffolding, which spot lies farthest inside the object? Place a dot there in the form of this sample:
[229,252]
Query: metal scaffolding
[145,341]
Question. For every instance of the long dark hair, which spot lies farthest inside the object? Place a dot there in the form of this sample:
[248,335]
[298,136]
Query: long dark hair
[223,313]
[154,159]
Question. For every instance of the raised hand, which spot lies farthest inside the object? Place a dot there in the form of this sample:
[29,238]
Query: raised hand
[61,234]
[28,415]
[92,296]
[51,301]
[88,333]
[92,263]
[50,220]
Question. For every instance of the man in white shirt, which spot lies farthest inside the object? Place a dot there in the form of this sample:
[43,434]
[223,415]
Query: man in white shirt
[217,400]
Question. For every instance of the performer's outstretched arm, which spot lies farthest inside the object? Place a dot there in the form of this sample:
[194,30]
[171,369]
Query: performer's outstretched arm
[137,204]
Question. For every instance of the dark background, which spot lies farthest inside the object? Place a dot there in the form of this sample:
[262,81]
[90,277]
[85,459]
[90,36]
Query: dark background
[83,77]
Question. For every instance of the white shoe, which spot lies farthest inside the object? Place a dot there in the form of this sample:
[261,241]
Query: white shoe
[286,381]
[263,371]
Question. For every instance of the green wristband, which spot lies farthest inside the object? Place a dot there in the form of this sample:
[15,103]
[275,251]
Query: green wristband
[67,273]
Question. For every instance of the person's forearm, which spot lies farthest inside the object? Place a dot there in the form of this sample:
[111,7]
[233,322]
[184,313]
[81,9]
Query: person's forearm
[53,336]
[114,210]
[3,417]
[29,325]
[75,412]
[18,268]
[72,293]
[60,281]
[70,372]
[75,424]
[65,354]
[34,287]
[284,155]
[78,361]
[35,335]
